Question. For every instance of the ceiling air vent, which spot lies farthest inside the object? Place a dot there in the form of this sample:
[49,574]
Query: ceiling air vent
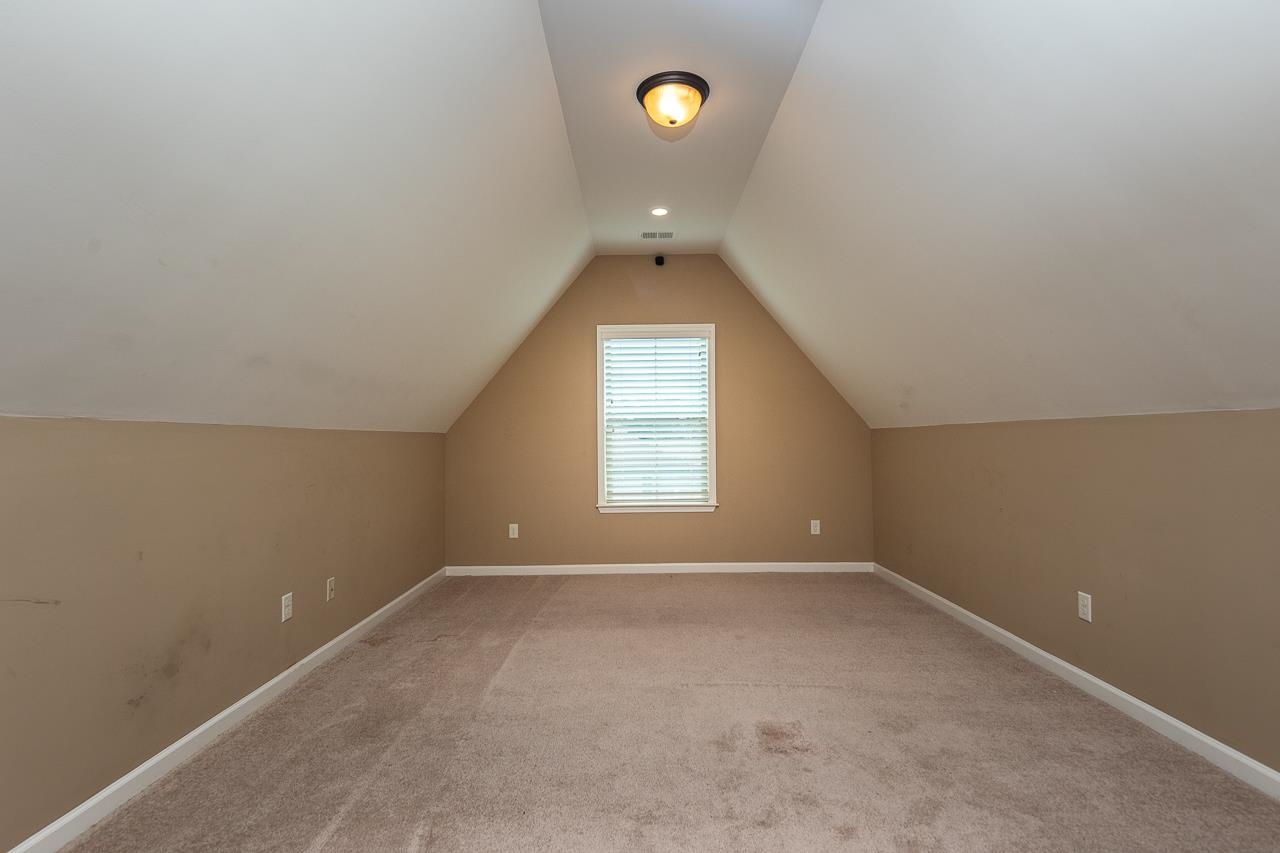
[657,235]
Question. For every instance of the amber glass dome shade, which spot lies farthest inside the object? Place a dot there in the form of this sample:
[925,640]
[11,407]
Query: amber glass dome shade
[673,98]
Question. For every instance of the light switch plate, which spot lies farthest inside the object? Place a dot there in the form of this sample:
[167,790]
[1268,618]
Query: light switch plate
[513,531]
[330,589]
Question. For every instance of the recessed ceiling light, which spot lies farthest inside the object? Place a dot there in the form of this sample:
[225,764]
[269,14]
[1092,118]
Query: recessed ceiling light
[673,98]
[659,211]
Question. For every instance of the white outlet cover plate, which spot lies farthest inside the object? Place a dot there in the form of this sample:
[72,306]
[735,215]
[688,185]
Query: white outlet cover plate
[286,607]
[1084,606]
[815,527]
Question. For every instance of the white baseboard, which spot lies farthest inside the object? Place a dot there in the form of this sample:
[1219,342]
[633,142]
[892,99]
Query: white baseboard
[654,568]
[1231,760]
[66,828]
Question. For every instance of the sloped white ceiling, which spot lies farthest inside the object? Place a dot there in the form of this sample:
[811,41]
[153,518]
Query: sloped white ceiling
[1006,210]
[276,212]
[346,215]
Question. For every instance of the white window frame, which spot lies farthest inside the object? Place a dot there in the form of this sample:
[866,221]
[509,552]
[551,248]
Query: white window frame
[662,330]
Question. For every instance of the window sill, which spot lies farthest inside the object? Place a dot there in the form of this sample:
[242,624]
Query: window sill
[659,508]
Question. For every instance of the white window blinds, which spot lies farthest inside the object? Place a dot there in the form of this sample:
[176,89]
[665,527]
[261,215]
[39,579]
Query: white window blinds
[657,416]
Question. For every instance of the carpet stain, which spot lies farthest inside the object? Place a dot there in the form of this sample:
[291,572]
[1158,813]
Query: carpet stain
[847,831]
[806,800]
[898,725]
[641,823]
[925,810]
[728,741]
[648,817]
[781,738]
[768,820]
[731,782]
[937,761]
[911,845]
[377,642]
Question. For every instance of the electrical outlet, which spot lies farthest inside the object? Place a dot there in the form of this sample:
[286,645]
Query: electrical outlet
[815,527]
[513,531]
[1084,606]
[286,607]
[330,589]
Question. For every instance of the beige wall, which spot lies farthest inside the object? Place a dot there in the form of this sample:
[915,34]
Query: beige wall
[789,447]
[1171,522]
[141,569]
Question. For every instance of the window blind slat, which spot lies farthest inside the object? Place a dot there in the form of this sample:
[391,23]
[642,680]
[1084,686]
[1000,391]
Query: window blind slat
[656,413]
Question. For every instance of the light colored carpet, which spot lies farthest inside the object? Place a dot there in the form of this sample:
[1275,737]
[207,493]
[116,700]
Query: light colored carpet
[688,712]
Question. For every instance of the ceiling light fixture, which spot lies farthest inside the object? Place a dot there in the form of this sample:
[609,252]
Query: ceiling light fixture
[659,211]
[673,98]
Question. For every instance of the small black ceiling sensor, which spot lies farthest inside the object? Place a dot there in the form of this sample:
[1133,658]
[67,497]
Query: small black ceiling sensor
[659,260]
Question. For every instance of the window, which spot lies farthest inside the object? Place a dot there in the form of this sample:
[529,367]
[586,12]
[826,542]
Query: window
[656,411]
